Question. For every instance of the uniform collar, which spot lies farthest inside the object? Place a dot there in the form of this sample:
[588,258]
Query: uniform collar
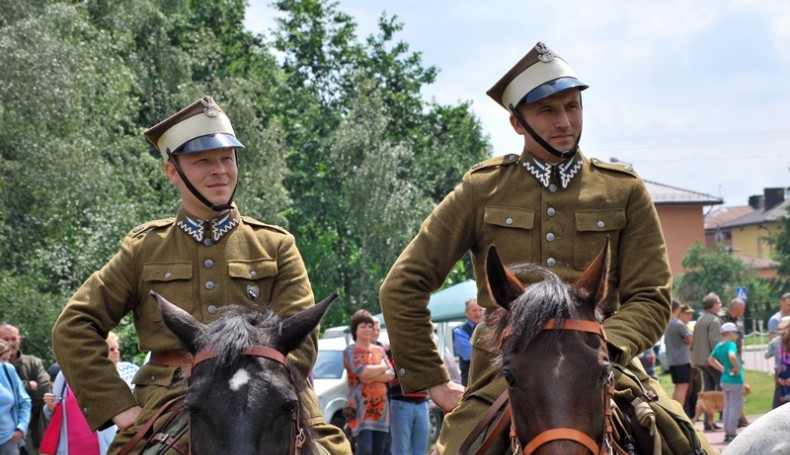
[213,229]
[542,171]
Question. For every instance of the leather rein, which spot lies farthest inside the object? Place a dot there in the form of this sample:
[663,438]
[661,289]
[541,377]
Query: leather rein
[606,446]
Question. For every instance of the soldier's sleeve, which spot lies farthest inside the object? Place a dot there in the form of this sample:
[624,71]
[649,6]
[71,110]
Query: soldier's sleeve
[421,269]
[643,280]
[291,294]
[78,339]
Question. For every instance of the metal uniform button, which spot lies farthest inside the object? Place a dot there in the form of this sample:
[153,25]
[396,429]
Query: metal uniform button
[402,372]
[85,411]
[551,262]
[212,309]
[253,274]
[208,263]
[550,237]
[553,188]
[551,212]
[208,242]
[168,274]
[152,378]
[600,224]
[508,220]
[209,285]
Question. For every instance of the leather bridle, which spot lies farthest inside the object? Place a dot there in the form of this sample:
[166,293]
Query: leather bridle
[570,434]
[298,436]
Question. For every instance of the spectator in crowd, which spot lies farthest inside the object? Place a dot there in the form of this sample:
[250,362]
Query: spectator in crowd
[725,359]
[677,339]
[734,314]
[369,372]
[74,435]
[409,418]
[780,352]
[784,310]
[36,381]
[15,405]
[462,336]
[707,334]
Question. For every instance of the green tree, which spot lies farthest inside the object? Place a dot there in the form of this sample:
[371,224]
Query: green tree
[718,271]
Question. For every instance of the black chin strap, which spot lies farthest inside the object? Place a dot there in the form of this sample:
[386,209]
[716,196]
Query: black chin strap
[196,193]
[561,155]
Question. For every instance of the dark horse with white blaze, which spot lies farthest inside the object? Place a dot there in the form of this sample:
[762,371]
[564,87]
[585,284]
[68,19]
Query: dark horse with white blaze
[243,397]
[554,357]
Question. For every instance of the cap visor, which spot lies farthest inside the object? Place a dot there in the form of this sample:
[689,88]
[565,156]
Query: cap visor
[211,142]
[552,87]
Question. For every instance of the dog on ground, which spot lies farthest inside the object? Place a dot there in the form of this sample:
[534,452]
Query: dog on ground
[709,403]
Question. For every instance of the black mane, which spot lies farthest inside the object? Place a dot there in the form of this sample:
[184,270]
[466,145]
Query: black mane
[237,329]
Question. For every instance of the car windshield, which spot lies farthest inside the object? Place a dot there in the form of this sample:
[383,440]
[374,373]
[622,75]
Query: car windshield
[328,364]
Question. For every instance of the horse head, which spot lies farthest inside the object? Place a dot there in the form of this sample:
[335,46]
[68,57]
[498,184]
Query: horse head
[554,355]
[242,394]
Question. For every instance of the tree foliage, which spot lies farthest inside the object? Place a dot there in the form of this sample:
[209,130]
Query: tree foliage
[341,148]
[719,272]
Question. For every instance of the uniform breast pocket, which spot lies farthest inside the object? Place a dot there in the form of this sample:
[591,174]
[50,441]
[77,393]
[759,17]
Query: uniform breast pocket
[509,228]
[592,228]
[172,281]
[252,281]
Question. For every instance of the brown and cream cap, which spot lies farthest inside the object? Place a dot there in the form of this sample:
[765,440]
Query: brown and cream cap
[199,127]
[539,74]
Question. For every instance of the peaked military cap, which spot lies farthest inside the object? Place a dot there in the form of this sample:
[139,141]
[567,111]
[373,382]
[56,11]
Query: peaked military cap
[199,127]
[539,74]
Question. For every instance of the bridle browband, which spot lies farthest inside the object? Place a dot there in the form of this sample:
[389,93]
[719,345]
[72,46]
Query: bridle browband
[298,435]
[570,434]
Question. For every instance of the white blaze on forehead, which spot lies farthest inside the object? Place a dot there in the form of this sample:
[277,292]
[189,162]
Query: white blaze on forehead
[239,379]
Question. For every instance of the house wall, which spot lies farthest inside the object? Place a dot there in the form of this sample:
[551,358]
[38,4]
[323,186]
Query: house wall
[751,240]
[682,226]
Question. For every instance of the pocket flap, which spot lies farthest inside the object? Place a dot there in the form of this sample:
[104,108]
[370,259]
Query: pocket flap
[514,217]
[600,220]
[252,270]
[167,272]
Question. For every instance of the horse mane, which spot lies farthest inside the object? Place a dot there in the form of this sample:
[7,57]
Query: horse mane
[547,298]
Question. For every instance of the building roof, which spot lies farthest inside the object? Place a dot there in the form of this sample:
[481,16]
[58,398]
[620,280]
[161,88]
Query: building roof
[760,216]
[757,263]
[670,195]
[723,215]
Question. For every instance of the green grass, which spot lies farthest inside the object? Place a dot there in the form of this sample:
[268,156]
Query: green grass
[758,402]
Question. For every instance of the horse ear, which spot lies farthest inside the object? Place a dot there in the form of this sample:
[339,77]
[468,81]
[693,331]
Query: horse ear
[181,323]
[503,286]
[595,277]
[298,326]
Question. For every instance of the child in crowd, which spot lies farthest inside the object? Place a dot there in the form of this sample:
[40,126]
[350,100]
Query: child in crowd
[724,358]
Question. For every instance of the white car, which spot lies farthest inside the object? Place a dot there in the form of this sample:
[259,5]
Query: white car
[330,380]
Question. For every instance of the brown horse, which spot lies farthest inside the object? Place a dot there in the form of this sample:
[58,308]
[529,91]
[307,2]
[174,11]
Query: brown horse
[554,357]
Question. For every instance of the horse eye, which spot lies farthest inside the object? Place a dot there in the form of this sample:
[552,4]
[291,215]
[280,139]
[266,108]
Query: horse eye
[607,375]
[509,377]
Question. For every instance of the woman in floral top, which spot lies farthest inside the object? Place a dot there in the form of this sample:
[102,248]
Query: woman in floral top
[368,375]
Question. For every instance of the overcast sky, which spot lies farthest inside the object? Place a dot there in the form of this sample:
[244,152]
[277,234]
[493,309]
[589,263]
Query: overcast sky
[694,93]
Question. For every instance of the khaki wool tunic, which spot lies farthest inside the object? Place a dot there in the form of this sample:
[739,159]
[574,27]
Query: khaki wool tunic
[499,203]
[201,269]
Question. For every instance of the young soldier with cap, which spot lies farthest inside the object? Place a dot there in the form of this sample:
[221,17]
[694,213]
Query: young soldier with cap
[551,206]
[206,257]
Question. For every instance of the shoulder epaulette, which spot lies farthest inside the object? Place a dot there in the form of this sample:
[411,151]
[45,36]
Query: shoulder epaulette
[619,167]
[503,160]
[271,227]
[145,228]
